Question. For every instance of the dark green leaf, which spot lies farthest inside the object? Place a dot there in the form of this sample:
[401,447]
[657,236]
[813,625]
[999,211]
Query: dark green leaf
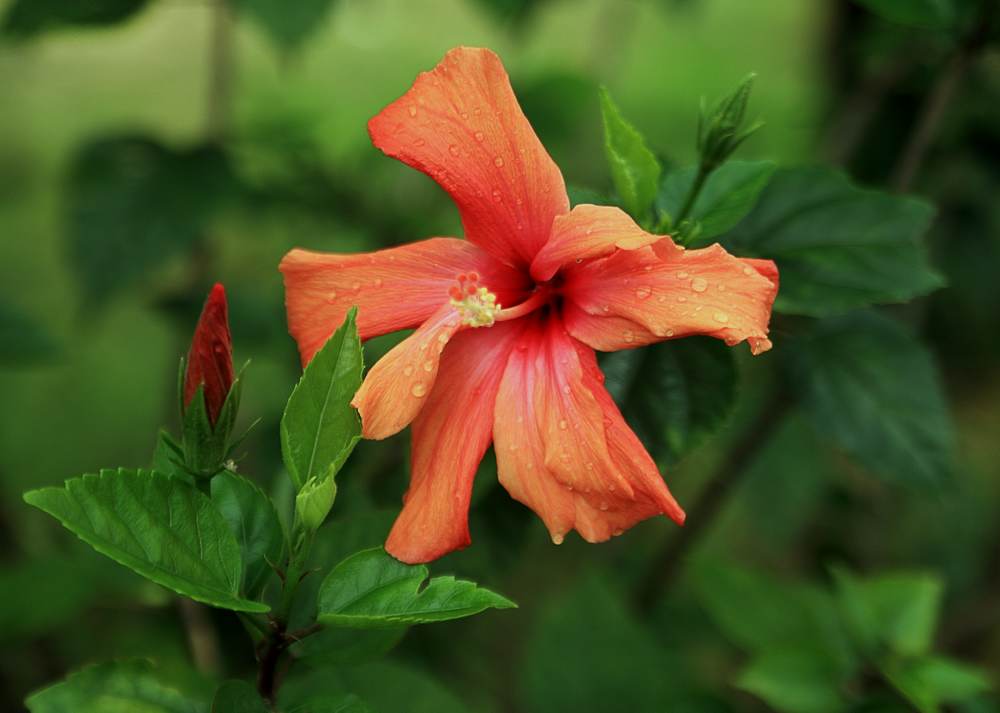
[589,653]
[634,169]
[339,647]
[896,611]
[238,697]
[797,680]
[928,682]
[157,526]
[380,687]
[26,18]
[254,522]
[287,24]
[730,193]
[133,204]
[22,340]
[674,393]
[873,390]
[372,589]
[934,14]
[320,428]
[838,247]
[121,687]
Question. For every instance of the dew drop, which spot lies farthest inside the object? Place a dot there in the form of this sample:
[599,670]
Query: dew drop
[453,150]
[604,506]
[721,317]
[643,293]
[418,389]
[628,336]
[648,268]
[670,332]
[699,284]
[419,142]
[332,297]
[412,111]
[443,338]
[429,365]
[356,286]
[682,275]
[566,389]
[563,425]
[408,371]
[682,298]
[480,136]
[557,539]
[748,271]
[497,198]
[617,531]
[378,281]
[498,161]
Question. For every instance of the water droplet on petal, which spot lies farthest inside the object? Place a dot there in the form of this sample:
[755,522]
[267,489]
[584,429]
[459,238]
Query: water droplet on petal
[604,506]
[378,281]
[682,275]
[496,196]
[643,293]
[557,539]
[480,136]
[453,150]
[418,389]
[563,425]
[408,371]
[628,336]
[747,270]
[332,297]
[356,286]
[721,317]
[566,389]
[429,365]
[498,161]
[670,332]
[617,531]
[699,284]
[412,111]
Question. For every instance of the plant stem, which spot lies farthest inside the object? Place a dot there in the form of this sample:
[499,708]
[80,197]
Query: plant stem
[667,563]
[692,194]
[939,99]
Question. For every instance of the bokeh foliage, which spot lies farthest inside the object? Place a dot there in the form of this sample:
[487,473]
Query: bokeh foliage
[854,565]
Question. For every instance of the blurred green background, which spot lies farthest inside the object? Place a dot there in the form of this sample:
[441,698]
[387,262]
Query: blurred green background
[141,161]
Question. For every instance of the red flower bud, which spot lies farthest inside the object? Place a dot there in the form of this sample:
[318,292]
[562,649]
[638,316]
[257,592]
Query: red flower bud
[210,360]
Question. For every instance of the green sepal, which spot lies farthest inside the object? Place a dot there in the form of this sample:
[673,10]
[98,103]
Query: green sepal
[207,447]
[721,131]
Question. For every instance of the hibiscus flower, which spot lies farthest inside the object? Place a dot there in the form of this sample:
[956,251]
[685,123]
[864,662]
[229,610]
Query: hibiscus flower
[508,320]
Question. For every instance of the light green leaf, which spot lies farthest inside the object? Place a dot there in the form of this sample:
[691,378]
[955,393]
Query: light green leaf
[675,393]
[157,526]
[254,523]
[872,389]
[932,14]
[320,428]
[729,193]
[287,24]
[799,680]
[838,247]
[897,611]
[121,687]
[238,697]
[634,169]
[930,681]
[373,589]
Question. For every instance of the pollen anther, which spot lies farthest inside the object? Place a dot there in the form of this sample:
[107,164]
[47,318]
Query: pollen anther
[476,304]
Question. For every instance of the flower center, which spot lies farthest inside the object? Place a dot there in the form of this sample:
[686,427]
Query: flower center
[474,302]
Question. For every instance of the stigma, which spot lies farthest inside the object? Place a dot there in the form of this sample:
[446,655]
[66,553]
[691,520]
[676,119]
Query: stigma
[475,303]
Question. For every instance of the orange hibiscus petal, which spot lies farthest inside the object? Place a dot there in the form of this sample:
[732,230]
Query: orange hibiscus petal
[671,293]
[450,436]
[588,231]
[562,447]
[461,125]
[394,289]
[396,387]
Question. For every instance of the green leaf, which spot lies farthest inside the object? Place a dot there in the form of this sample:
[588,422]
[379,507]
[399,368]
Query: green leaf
[798,680]
[27,18]
[928,682]
[729,193]
[238,697]
[896,611]
[763,614]
[157,526]
[339,647]
[588,652]
[287,25]
[838,247]
[254,523]
[372,589]
[634,169]
[383,687]
[22,340]
[133,204]
[121,687]
[320,428]
[872,389]
[931,14]
[168,457]
[675,393]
